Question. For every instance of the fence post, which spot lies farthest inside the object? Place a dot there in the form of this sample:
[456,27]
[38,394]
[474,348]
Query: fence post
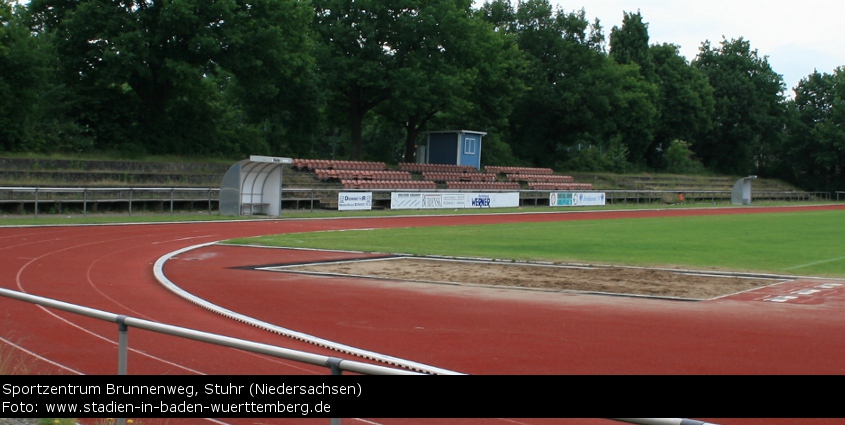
[36,202]
[122,345]
[334,364]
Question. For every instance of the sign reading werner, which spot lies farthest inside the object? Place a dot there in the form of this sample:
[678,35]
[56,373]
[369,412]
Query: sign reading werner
[427,201]
[573,199]
[347,201]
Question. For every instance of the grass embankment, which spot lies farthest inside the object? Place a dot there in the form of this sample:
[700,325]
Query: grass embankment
[796,243]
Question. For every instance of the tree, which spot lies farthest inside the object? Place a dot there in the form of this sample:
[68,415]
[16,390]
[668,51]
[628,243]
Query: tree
[357,49]
[685,103]
[749,109]
[816,135]
[558,111]
[629,44]
[454,68]
[578,98]
[152,72]
[23,69]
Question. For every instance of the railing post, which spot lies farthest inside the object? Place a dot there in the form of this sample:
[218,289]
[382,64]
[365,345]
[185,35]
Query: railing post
[36,202]
[171,201]
[334,364]
[122,344]
[130,201]
[122,348]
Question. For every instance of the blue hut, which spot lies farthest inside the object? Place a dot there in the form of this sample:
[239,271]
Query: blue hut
[456,147]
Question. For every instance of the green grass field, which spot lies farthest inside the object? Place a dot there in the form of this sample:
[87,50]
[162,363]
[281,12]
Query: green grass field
[803,243]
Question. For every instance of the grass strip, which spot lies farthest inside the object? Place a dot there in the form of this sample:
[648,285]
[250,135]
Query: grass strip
[797,243]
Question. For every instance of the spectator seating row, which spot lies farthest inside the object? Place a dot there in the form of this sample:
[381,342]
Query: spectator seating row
[388,184]
[483,185]
[495,169]
[331,164]
[456,177]
[436,168]
[559,186]
[323,174]
[547,178]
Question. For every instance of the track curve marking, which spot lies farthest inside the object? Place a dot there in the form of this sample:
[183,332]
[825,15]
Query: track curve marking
[158,270]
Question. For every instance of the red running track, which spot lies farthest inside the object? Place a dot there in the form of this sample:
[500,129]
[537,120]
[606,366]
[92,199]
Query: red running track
[472,330]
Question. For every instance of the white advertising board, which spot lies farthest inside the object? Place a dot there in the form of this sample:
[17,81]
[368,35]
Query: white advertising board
[432,200]
[574,199]
[347,201]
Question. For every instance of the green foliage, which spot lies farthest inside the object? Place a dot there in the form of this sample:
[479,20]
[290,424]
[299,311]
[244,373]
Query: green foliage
[816,132]
[749,108]
[336,78]
[681,160]
[685,103]
[356,49]
[57,421]
[629,44]
[613,158]
[577,95]
[24,72]
[160,77]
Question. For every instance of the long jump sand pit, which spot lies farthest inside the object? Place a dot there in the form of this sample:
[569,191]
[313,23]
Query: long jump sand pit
[596,279]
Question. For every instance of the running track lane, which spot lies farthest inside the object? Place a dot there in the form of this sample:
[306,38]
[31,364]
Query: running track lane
[108,267]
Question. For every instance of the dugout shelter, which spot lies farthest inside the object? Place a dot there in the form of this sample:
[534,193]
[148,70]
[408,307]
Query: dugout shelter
[253,186]
[741,192]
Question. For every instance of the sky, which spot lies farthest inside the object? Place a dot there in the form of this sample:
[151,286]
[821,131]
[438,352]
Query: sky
[796,36]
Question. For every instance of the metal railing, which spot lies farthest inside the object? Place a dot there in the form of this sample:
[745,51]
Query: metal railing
[661,421]
[88,197]
[336,365]
[129,199]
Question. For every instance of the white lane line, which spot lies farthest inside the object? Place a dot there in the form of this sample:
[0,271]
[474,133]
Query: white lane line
[39,357]
[96,335]
[830,260]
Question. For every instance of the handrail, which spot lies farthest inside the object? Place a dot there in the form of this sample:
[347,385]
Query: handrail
[35,197]
[661,421]
[336,365]
[211,338]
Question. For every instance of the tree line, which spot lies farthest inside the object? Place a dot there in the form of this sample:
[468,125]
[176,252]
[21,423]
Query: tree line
[365,79]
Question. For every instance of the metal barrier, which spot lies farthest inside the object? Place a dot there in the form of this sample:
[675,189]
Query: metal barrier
[36,198]
[661,421]
[336,365]
[96,196]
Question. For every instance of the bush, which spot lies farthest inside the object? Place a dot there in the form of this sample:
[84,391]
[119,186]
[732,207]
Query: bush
[681,160]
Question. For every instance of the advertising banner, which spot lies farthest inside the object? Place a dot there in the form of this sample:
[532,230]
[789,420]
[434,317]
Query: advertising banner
[347,201]
[573,199]
[430,200]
